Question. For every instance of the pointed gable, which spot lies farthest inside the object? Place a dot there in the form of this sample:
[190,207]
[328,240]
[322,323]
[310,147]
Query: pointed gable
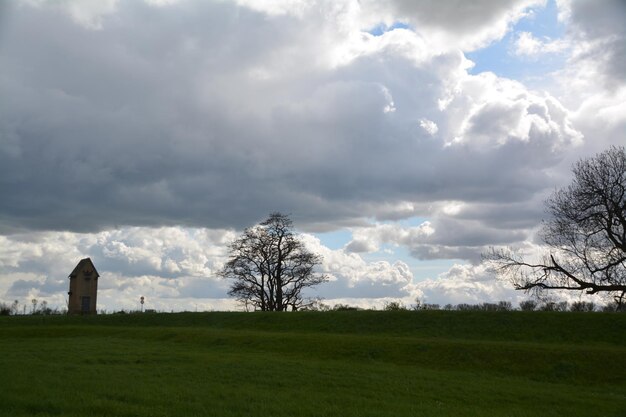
[82,265]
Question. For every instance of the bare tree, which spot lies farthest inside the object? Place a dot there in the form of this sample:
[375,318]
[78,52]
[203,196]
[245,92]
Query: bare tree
[270,267]
[586,234]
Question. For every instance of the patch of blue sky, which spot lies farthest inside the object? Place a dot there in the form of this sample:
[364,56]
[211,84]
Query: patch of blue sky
[499,58]
[431,269]
[388,253]
[543,22]
[421,269]
[380,29]
[336,239]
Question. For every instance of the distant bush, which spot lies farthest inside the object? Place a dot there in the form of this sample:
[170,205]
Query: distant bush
[344,307]
[528,305]
[500,306]
[466,307]
[5,309]
[316,305]
[394,306]
[419,305]
[505,306]
[554,306]
[582,306]
[547,306]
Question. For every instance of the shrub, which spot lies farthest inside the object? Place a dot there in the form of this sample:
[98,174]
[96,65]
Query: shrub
[505,306]
[5,309]
[554,306]
[582,306]
[465,307]
[488,307]
[316,305]
[394,306]
[344,307]
[528,305]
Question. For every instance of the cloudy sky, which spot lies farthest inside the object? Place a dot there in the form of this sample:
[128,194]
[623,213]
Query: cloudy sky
[404,138]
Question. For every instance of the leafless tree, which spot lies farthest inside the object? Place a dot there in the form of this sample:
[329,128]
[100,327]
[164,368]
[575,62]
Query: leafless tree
[270,267]
[585,234]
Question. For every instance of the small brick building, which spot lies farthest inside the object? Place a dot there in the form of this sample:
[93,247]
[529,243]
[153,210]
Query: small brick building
[83,288]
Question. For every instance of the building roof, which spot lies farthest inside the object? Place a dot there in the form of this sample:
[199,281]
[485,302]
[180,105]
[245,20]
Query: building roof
[81,265]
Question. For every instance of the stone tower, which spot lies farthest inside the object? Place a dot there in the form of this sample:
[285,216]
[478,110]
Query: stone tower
[83,288]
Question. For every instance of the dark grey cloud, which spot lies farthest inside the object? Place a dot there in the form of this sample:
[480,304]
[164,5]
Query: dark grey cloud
[602,24]
[49,286]
[456,16]
[513,216]
[210,114]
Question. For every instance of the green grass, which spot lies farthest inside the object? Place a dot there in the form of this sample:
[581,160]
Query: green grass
[425,363]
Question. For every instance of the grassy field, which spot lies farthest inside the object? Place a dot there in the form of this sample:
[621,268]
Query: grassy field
[348,363]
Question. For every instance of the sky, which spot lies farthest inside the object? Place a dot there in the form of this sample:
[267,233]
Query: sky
[404,138]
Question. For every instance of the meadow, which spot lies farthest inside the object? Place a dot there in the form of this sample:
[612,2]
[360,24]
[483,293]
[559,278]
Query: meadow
[338,363]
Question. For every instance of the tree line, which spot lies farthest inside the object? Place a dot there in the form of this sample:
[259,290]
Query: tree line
[35,308]
[526,305]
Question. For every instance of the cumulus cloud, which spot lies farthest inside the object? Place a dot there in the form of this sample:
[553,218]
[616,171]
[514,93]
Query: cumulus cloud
[174,268]
[353,277]
[429,126]
[601,37]
[452,24]
[592,83]
[528,45]
[445,237]
[468,284]
[213,119]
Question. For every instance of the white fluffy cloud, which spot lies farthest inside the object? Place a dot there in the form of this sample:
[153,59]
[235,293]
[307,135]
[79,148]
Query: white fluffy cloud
[467,284]
[352,277]
[451,24]
[174,268]
[528,45]
[601,37]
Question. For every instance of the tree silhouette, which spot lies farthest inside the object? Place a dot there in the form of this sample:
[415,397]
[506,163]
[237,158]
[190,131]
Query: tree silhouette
[270,267]
[586,234]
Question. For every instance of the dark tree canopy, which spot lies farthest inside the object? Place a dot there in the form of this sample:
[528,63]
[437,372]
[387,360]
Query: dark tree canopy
[586,234]
[269,267]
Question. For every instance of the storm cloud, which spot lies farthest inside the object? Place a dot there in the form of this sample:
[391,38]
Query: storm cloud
[204,115]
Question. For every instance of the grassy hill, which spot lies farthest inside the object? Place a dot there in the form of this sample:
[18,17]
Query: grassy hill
[348,363]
